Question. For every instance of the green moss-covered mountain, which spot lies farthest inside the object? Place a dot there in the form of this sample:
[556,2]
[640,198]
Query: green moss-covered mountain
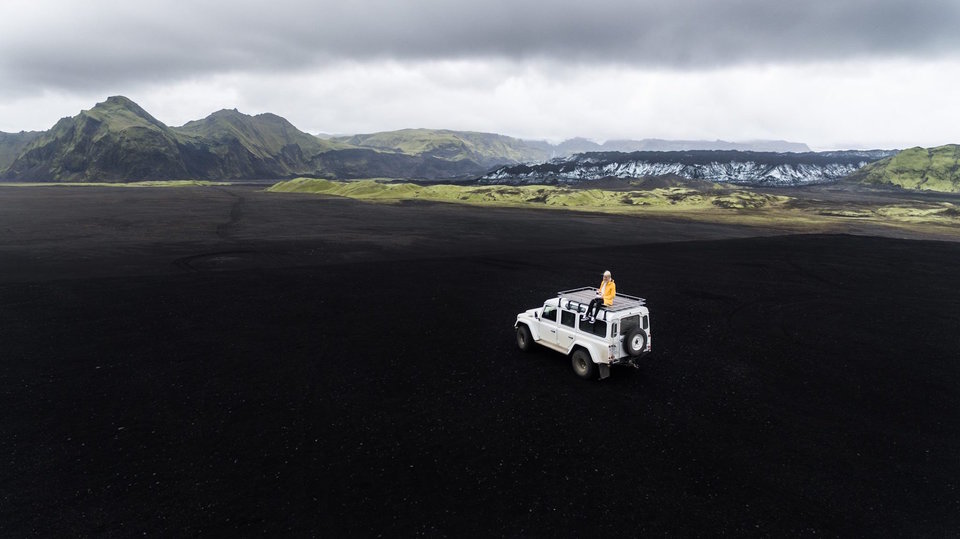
[119,141]
[484,148]
[235,145]
[113,141]
[933,169]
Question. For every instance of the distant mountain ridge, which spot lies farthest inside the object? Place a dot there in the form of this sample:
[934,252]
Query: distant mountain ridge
[733,166]
[486,149]
[581,145]
[117,140]
[491,149]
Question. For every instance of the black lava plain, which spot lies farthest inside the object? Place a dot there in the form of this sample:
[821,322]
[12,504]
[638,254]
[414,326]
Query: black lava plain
[365,380]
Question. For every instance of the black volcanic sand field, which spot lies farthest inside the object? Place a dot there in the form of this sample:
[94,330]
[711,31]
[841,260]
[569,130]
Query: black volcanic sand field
[225,361]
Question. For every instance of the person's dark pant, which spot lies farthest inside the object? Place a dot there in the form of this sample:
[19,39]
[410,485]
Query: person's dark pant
[594,307]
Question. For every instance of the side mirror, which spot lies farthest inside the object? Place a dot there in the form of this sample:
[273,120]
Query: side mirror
[536,315]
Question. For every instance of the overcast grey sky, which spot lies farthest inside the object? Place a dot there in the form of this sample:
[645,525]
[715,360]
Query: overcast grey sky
[831,73]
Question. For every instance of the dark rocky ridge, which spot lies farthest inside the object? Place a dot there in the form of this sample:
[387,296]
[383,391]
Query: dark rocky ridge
[754,168]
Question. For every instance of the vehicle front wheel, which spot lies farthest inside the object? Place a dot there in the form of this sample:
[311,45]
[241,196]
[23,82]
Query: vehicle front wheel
[583,366]
[524,339]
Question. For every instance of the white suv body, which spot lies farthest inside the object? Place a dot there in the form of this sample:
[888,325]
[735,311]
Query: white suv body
[619,336]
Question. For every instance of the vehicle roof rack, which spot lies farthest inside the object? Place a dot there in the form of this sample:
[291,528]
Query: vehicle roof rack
[580,298]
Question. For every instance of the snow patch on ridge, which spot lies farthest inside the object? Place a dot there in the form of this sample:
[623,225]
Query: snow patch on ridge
[587,167]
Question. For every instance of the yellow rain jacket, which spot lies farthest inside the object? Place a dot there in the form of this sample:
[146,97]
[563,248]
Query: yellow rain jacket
[608,292]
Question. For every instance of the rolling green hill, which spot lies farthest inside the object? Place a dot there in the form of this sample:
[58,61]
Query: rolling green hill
[932,169]
[485,149]
[693,201]
[673,199]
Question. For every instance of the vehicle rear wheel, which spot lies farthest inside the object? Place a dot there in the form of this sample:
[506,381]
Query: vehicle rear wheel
[635,342]
[583,366]
[524,338]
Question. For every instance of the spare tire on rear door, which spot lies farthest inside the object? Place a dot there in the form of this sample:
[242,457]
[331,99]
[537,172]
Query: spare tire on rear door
[635,342]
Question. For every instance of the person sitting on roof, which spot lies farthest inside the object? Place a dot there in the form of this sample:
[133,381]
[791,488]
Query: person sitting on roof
[605,295]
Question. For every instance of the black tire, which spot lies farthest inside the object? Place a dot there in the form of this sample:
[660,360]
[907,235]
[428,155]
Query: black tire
[583,366]
[635,342]
[524,338]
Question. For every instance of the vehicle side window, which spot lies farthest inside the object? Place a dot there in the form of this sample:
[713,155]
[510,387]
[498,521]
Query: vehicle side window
[598,328]
[628,323]
[549,313]
[567,318]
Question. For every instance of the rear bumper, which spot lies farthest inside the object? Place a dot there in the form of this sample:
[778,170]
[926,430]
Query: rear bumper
[631,361]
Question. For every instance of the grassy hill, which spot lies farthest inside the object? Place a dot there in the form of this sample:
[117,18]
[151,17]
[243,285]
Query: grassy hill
[485,149]
[933,169]
[707,203]
[670,199]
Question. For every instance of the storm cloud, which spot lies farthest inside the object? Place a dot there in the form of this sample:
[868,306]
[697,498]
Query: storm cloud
[830,73]
[88,45]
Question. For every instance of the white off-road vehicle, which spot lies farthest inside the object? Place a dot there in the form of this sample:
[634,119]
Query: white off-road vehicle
[620,334]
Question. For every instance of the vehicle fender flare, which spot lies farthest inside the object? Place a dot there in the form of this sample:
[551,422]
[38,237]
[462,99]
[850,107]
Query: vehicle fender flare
[534,330]
[587,349]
